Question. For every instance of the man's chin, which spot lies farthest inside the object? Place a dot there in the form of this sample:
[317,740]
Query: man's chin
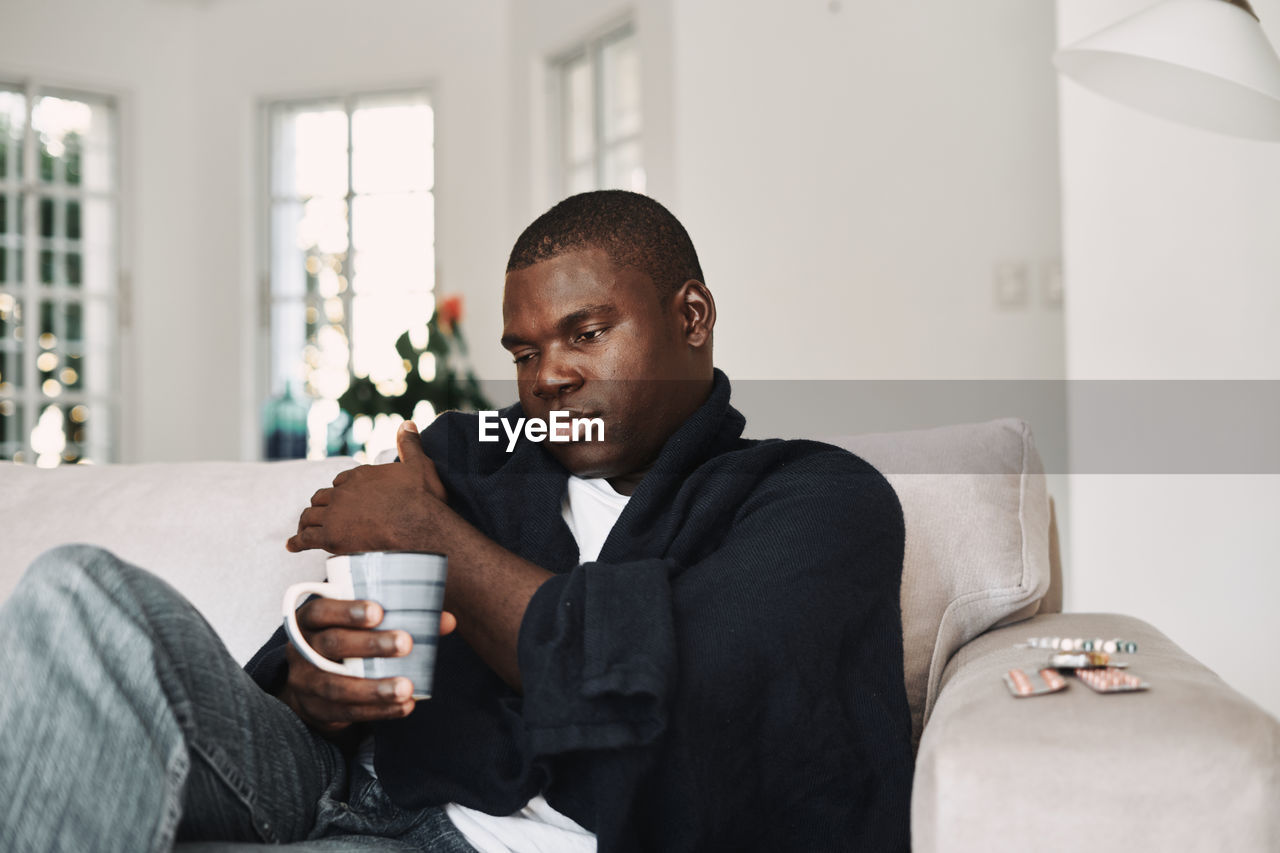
[588,460]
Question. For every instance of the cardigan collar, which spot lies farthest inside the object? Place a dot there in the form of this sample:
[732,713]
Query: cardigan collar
[711,430]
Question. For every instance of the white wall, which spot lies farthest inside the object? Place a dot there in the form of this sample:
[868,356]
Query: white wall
[852,178]
[1172,264]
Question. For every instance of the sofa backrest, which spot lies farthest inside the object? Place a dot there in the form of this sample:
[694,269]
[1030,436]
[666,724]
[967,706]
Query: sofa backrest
[973,497]
[215,530]
[977,518]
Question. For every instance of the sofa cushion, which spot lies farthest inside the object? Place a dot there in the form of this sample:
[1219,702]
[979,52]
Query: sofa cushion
[215,530]
[977,552]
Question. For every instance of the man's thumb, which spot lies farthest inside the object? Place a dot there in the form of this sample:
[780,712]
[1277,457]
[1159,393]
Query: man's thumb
[408,444]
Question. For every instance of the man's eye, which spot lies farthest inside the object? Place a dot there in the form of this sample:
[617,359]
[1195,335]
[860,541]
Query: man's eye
[590,335]
[523,357]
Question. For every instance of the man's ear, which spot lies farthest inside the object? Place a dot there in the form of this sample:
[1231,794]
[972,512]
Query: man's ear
[697,310]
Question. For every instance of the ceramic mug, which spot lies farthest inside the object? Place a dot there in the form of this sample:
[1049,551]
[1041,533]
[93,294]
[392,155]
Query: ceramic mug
[408,585]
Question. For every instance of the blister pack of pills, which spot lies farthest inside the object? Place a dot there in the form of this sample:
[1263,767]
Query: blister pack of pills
[1111,680]
[1045,681]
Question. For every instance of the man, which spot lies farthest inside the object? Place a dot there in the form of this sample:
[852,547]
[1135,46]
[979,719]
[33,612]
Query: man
[669,639]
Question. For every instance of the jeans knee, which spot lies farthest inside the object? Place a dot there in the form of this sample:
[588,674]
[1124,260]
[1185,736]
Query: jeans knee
[65,566]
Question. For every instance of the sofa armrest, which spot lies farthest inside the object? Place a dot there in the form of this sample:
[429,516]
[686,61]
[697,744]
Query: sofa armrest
[1188,765]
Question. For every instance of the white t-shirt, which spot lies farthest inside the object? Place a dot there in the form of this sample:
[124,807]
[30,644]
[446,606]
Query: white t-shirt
[590,509]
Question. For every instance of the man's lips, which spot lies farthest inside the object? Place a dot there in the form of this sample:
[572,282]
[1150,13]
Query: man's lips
[574,414]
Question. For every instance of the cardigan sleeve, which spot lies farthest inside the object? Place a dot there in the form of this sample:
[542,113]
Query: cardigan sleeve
[597,657]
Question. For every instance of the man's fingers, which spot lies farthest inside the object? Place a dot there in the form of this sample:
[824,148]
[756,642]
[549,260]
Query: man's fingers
[408,444]
[321,613]
[312,516]
[306,539]
[349,690]
[334,716]
[342,643]
[322,497]
[343,476]
[333,700]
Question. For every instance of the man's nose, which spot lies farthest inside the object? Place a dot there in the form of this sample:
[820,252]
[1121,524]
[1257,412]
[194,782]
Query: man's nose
[555,378]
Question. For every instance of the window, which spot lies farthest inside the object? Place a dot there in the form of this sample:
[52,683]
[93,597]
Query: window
[352,250]
[599,122]
[58,276]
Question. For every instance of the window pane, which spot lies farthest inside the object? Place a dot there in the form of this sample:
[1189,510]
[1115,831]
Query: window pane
[47,273]
[377,321]
[74,324]
[10,371]
[8,316]
[75,269]
[622,169]
[62,128]
[391,145]
[77,140]
[11,337]
[393,243]
[75,379]
[310,152]
[13,122]
[46,217]
[10,427]
[72,220]
[81,439]
[620,67]
[579,110]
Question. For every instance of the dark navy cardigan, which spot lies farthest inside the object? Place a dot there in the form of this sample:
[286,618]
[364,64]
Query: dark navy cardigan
[726,676]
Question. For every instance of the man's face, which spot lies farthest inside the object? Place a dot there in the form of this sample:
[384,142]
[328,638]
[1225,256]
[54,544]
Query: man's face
[594,340]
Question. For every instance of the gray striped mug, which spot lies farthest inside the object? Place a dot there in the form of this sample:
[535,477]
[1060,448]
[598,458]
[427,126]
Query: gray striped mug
[408,585]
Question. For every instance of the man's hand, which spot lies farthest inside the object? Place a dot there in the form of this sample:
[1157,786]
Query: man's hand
[342,629]
[375,507]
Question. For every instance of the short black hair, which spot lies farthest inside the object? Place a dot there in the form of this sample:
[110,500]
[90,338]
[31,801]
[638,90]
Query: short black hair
[632,229]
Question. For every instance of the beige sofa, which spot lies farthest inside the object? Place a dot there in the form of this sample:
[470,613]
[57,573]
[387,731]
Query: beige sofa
[1188,765]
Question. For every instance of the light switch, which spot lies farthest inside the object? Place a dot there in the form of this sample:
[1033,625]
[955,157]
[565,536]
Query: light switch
[1012,283]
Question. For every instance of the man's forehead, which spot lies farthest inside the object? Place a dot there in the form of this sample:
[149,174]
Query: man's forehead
[569,281]
[584,268]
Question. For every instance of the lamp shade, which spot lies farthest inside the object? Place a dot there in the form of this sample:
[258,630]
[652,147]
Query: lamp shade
[1205,63]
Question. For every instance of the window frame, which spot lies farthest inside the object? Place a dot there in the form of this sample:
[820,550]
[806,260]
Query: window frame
[107,403]
[265,297]
[592,49]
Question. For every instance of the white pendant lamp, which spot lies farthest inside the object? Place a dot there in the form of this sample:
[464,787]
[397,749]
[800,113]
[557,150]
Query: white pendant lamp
[1205,63]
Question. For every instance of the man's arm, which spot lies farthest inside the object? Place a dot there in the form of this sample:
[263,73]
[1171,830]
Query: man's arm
[401,507]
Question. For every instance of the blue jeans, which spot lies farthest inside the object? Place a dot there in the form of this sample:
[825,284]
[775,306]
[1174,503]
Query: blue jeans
[125,725]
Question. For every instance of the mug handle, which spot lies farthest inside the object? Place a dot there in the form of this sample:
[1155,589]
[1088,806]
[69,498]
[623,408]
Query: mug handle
[290,605]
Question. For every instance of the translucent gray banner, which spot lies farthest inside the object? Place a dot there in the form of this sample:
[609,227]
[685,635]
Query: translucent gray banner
[1080,426]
